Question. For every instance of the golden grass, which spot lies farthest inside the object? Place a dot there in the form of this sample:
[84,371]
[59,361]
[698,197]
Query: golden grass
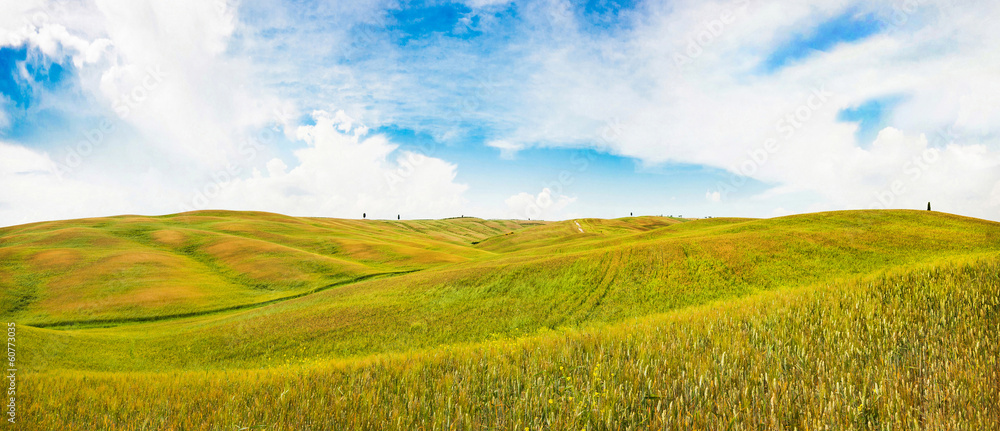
[912,350]
[170,237]
[56,259]
[136,267]
[224,320]
[595,280]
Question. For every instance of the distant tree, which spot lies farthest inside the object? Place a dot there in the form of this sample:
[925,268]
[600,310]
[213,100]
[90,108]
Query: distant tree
[364,215]
[397,217]
[630,214]
[928,206]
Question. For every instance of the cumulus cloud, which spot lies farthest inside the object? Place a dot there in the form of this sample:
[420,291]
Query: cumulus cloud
[906,171]
[190,127]
[689,85]
[545,205]
[207,101]
[695,82]
[169,76]
[344,171]
[43,25]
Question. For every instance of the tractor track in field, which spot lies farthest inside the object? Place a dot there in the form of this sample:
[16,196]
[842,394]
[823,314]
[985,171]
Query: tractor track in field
[590,302]
[108,323]
[607,282]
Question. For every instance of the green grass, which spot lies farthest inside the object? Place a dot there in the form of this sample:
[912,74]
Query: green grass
[133,267]
[430,324]
[916,350]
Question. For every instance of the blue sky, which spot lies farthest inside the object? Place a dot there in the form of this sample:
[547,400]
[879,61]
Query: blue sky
[497,108]
[27,77]
[849,26]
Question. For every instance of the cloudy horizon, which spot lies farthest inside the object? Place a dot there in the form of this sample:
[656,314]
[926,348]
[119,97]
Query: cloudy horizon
[544,109]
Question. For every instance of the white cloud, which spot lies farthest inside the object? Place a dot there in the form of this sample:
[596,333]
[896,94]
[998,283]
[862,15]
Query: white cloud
[508,150]
[719,108]
[276,167]
[42,24]
[195,83]
[545,205]
[194,127]
[171,79]
[32,191]
[160,66]
[344,172]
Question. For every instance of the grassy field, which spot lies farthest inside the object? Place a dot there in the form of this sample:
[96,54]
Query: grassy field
[226,320]
[131,267]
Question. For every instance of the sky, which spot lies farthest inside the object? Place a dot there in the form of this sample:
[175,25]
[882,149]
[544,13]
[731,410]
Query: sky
[543,109]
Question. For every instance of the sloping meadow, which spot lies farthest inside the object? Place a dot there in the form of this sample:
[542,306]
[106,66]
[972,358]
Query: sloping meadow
[915,349]
[842,320]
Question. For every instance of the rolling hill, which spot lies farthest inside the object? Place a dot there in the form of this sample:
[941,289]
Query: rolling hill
[398,312]
[133,267]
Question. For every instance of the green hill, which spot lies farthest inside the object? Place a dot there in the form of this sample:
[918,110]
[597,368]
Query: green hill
[133,267]
[409,309]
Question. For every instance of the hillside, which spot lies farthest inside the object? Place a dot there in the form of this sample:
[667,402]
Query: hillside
[915,349]
[180,322]
[353,302]
[133,267]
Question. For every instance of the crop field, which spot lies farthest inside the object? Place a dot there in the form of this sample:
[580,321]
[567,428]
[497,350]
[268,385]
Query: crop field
[221,320]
